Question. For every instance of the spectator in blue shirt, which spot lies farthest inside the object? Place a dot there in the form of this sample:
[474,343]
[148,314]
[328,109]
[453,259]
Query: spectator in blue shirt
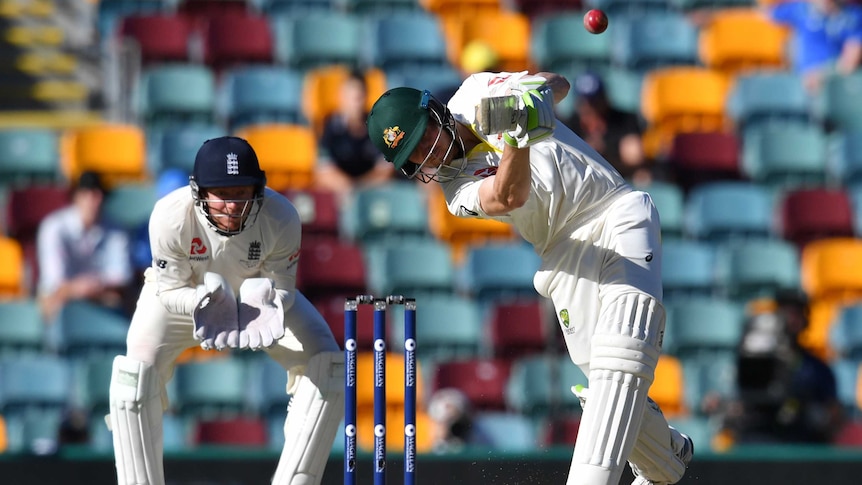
[827,36]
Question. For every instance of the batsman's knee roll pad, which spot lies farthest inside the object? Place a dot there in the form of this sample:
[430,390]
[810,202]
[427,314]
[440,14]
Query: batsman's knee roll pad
[136,422]
[313,419]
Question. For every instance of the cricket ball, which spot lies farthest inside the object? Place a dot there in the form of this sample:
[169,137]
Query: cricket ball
[595,21]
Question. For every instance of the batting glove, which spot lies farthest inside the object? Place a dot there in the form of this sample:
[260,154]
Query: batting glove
[537,119]
[215,314]
[261,314]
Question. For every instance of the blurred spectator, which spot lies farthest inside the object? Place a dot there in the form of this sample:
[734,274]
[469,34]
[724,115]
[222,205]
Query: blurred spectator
[74,428]
[786,393]
[827,36]
[615,134]
[80,255]
[449,410]
[347,157]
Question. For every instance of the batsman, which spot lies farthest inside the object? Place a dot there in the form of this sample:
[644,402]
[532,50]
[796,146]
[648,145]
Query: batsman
[498,153]
[225,250]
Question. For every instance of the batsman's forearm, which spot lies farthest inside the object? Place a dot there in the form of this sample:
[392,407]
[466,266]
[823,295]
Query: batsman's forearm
[509,188]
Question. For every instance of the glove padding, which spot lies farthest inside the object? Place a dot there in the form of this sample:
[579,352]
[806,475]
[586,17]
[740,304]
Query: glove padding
[537,119]
[261,314]
[215,314]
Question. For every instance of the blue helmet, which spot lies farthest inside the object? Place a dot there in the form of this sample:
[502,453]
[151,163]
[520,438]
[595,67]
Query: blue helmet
[227,161]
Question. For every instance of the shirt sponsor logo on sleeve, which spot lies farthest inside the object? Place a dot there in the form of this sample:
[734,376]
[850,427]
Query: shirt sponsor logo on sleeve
[161,263]
[485,172]
[198,250]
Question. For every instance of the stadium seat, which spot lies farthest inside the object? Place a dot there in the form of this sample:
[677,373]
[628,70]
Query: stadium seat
[705,323]
[394,440]
[832,268]
[12,271]
[517,328]
[321,82]
[394,380]
[287,153]
[847,376]
[847,161]
[810,214]
[488,280]
[332,310]
[512,49]
[447,8]
[176,147]
[533,388]
[28,155]
[409,266]
[785,156]
[438,80]
[845,335]
[688,268]
[275,8]
[91,329]
[833,104]
[701,157]
[652,40]
[319,211]
[129,205]
[759,268]
[560,43]
[766,96]
[256,45]
[407,40]
[448,327]
[273,388]
[25,208]
[160,37]
[739,40]
[668,387]
[391,211]
[669,200]
[35,380]
[721,211]
[209,388]
[200,11]
[22,330]
[538,9]
[242,431]
[319,39]
[483,381]
[176,94]
[330,267]
[562,430]
[110,13]
[460,232]
[260,94]
[116,151]
[95,383]
[373,7]
[504,432]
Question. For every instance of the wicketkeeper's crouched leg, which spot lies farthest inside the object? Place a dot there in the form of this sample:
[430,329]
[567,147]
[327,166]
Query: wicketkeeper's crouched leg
[313,418]
[136,422]
[624,354]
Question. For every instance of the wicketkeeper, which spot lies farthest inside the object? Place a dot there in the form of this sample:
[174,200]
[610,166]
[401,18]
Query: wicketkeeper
[225,251]
[498,153]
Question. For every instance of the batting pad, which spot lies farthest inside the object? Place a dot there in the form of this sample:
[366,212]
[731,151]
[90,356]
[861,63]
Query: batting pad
[313,419]
[136,422]
[624,354]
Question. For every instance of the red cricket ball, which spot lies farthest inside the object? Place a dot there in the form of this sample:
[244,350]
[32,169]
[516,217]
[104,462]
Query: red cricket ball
[595,21]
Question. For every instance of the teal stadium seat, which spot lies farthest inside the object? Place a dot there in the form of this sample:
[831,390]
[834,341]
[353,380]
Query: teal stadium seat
[28,155]
[173,94]
[408,266]
[34,381]
[110,13]
[438,80]
[690,5]
[837,102]
[669,200]
[497,271]
[845,334]
[641,42]
[505,432]
[760,97]
[22,330]
[846,381]
[785,155]
[129,205]
[273,388]
[705,324]
[175,148]
[407,40]
[276,8]
[846,163]
[211,388]
[89,329]
[318,39]
[448,327]
[688,268]
[616,8]
[560,43]
[260,94]
[726,210]
[95,382]
[759,268]
[531,386]
[391,211]
[382,7]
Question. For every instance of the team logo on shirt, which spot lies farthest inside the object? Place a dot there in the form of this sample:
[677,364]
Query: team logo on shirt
[392,136]
[485,172]
[564,317]
[254,251]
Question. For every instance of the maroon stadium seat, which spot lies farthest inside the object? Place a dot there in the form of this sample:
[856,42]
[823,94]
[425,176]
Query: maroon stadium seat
[223,48]
[518,328]
[329,266]
[232,432]
[704,157]
[811,214]
[483,381]
[318,210]
[162,37]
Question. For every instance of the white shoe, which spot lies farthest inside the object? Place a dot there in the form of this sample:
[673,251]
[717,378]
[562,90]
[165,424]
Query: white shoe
[685,454]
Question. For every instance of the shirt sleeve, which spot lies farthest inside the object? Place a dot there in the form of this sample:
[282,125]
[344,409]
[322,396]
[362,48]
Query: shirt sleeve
[116,262]
[284,230]
[176,289]
[50,255]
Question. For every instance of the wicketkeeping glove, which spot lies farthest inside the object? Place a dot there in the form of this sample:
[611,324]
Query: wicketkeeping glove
[261,314]
[537,119]
[215,315]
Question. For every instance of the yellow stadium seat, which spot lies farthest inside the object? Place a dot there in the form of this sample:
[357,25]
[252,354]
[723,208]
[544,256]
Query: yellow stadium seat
[394,426]
[320,95]
[12,269]
[475,8]
[832,268]
[460,232]
[116,151]
[682,99]
[742,39]
[286,152]
[668,388]
[512,49]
